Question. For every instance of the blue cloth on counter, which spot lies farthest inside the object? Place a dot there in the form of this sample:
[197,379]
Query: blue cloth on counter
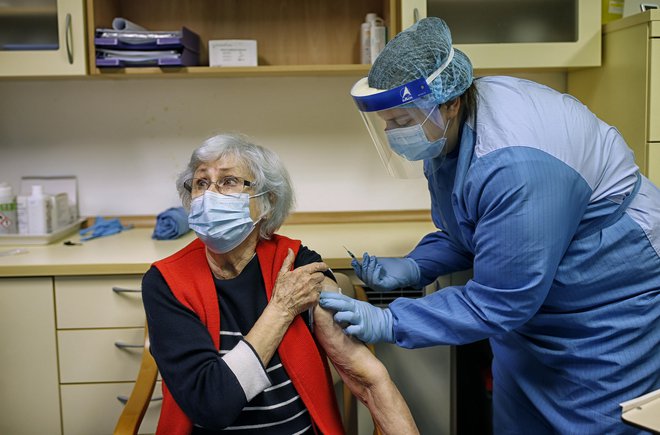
[171,224]
[103,227]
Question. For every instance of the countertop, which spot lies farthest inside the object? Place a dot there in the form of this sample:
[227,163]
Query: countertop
[134,250]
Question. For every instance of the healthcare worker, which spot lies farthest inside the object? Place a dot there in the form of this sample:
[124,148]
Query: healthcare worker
[544,201]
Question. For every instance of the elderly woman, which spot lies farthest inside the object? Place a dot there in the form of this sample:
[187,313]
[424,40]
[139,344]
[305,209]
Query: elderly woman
[228,314]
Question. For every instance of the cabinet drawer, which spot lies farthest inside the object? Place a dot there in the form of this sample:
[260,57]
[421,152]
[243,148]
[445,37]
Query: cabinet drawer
[91,355]
[90,302]
[94,408]
[654,91]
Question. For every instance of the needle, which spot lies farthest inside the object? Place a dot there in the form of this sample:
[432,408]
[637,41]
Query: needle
[350,253]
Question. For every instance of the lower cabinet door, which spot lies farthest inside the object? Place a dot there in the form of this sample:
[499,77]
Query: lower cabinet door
[29,391]
[654,90]
[94,408]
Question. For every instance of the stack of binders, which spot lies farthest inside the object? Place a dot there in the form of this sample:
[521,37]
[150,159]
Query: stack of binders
[130,45]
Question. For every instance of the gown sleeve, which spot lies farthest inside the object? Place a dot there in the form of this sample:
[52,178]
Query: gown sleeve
[525,206]
[437,254]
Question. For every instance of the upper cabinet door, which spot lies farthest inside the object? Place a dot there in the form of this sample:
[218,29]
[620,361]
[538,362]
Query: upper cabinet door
[526,34]
[42,38]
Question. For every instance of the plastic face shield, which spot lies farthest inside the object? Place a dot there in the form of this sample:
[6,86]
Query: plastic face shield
[404,106]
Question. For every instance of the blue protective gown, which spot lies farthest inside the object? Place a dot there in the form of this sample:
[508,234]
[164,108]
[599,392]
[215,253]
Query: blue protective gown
[544,202]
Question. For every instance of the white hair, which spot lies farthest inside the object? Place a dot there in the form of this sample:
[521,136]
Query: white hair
[269,173]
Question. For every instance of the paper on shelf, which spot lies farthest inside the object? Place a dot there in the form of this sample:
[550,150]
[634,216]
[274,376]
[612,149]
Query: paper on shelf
[119,23]
[137,37]
[138,55]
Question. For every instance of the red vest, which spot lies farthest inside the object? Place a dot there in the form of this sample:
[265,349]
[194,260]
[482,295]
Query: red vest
[188,275]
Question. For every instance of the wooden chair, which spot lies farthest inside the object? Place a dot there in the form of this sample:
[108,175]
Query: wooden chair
[131,417]
[136,406]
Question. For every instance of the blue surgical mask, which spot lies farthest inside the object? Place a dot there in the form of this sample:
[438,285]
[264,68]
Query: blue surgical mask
[412,144]
[222,222]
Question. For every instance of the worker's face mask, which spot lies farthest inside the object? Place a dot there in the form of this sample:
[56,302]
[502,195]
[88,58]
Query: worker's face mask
[222,222]
[412,143]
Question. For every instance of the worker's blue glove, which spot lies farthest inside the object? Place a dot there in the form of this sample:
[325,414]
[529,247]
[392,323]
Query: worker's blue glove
[385,273]
[360,319]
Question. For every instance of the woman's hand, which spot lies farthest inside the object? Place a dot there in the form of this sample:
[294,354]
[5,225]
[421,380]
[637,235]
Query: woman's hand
[297,290]
[294,292]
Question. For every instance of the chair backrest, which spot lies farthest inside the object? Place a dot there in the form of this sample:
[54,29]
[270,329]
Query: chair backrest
[345,284]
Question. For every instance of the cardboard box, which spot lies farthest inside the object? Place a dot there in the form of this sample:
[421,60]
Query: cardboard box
[233,52]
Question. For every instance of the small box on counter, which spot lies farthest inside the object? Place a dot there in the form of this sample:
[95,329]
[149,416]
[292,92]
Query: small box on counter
[233,52]
[46,211]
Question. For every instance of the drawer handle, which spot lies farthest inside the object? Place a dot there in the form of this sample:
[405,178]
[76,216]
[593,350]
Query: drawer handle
[69,39]
[124,399]
[125,290]
[125,346]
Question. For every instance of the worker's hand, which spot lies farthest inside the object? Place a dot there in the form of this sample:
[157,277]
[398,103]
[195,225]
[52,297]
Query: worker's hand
[298,289]
[385,274]
[360,319]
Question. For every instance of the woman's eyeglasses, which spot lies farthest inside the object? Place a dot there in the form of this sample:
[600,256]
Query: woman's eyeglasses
[226,185]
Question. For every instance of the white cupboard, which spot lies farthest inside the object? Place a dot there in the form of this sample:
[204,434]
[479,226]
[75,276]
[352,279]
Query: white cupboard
[625,91]
[42,38]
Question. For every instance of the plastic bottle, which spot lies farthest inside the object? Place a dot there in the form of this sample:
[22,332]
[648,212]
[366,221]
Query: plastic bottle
[39,212]
[378,37]
[8,216]
[365,38]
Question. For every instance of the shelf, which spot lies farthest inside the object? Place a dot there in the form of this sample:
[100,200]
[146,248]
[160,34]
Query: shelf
[258,71]
[314,37]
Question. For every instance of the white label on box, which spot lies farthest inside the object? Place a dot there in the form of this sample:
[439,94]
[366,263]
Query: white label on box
[233,52]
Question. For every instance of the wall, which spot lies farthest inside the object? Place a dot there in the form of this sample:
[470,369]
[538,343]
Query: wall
[127,139]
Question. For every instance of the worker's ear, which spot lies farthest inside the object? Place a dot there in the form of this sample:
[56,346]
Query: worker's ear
[452,107]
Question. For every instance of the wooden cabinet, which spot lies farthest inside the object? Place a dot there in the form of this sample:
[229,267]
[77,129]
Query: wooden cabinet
[100,331]
[625,91]
[505,35]
[29,392]
[42,38]
[317,37]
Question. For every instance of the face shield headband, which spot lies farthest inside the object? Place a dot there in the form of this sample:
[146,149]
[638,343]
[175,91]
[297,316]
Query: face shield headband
[373,100]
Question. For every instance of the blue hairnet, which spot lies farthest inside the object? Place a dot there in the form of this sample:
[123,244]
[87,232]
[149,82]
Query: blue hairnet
[416,53]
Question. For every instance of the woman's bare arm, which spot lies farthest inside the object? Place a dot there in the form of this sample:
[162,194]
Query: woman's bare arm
[363,373]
